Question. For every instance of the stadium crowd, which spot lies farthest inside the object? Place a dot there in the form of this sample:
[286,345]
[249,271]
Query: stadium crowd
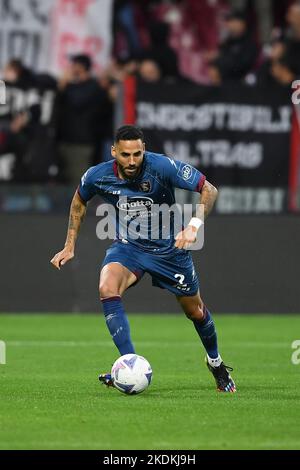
[210,42]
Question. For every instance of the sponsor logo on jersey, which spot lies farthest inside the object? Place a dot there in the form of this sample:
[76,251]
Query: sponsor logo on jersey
[134,204]
[186,172]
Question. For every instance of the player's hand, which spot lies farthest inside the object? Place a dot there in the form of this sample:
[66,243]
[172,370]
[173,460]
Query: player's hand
[62,257]
[186,238]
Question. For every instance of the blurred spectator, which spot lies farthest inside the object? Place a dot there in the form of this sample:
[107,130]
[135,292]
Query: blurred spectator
[17,74]
[18,124]
[160,51]
[283,71]
[293,20]
[84,116]
[293,36]
[276,51]
[262,11]
[214,73]
[126,37]
[149,71]
[117,71]
[237,54]
[283,55]
[131,26]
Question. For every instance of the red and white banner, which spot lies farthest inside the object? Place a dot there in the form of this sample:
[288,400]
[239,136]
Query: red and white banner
[44,33]
[80,26]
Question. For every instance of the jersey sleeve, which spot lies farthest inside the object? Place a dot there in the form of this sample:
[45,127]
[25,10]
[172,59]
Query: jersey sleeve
[182,175]
[86,188]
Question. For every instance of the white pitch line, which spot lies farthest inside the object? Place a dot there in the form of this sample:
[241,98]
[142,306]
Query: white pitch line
[47,343]
[75,344]
[160,344]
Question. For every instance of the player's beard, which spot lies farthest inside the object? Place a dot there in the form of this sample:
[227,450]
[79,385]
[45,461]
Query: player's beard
[129,175]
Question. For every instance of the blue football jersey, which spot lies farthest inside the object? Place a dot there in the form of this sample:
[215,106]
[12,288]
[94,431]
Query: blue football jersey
[142,205]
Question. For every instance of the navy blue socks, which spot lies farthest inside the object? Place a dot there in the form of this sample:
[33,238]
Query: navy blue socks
[117,324]
[207,332]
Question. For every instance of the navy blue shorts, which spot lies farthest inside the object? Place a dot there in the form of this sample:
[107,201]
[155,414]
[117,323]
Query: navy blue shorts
[174,271]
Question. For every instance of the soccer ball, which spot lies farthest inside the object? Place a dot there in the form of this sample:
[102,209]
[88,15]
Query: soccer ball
[131,374]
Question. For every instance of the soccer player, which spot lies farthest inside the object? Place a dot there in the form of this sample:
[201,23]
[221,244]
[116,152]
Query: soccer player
[145,179]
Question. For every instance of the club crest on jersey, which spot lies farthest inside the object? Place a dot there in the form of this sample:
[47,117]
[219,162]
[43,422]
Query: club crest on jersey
[145,186]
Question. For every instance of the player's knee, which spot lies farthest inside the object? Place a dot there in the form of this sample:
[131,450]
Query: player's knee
[107,290]
[195,314]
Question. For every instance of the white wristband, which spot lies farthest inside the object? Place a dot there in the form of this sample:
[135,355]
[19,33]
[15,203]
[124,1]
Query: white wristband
[195,222]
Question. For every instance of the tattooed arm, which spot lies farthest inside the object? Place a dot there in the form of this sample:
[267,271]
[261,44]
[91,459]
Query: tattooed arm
[77,213]
[208,198]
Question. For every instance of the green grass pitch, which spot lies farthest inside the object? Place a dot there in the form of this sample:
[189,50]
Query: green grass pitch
[50,397]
